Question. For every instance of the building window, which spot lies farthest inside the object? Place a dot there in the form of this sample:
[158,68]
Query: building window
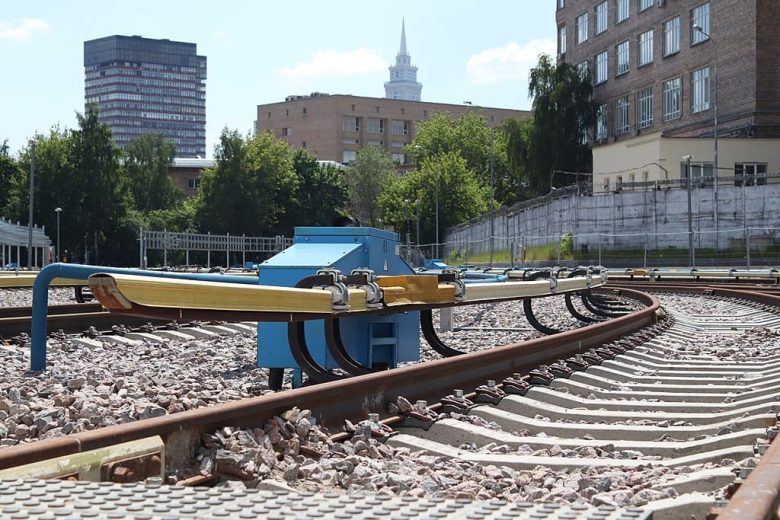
[606,183]
[303,144]
[286,131]
[601,123]
[621,116]
[645,48]
[701,173]
[601,67]
[582,28]
[397,144]
[582,70]
[622,58]
[645,4]
[749,174]
[700,17]
[646,107]
[193,183]
[398,127]
[375,126]
[304,110]
[601,17]
[562,40]
[375,142]
[561,4]
[399,158]
[621,10]
[672,36]
[350,124]
[700,87]
[672,96]
[347,156]
[350,140]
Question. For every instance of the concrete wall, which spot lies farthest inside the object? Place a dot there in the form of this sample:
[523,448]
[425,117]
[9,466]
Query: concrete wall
[655,218]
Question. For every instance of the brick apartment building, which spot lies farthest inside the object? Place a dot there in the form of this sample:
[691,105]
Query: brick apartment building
[335,127]
[664,71]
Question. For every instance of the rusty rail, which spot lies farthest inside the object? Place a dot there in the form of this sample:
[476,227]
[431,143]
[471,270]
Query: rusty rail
[350,398]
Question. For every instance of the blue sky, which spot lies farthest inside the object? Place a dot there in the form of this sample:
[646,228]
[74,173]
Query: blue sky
[261,51]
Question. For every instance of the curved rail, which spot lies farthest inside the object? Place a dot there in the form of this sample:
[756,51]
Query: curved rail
[353,397]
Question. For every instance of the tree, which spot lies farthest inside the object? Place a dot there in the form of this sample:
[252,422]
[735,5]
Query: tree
[9,176]
[518,180]
[105,192]
[446,178]
[563,115]
[250,187]
[470,137]
[367,177]
[321,195]
[147,160]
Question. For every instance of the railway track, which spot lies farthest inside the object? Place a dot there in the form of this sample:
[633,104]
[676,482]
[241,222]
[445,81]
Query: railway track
[650,422]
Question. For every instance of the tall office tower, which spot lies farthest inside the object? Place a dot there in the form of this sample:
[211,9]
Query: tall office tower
[145,86]
[403,82]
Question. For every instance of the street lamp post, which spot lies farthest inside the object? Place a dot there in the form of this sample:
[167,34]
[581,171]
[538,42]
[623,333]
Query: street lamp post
[417,218]
[691,251]
[58,210]
[492,201]
[715,133]
[418,147]
[30,215]
[408,225]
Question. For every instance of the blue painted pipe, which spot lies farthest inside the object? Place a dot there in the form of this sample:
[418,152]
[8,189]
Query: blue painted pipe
[40,308]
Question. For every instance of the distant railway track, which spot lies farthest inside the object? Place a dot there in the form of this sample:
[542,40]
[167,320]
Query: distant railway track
[70,318]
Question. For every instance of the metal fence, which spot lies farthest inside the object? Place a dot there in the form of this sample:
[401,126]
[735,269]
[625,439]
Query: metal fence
[742,247]
[167,241]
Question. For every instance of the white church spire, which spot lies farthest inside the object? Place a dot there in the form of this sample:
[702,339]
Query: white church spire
[403,82]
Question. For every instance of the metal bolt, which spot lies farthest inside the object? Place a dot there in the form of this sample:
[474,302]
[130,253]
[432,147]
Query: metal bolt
[422,404]
[458,393]
[517,375]
[154,482]
[373,417]
[491,383]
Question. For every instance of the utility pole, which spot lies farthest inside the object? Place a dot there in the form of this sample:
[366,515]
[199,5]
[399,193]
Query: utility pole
[689,185]
[492,199]
[30,215]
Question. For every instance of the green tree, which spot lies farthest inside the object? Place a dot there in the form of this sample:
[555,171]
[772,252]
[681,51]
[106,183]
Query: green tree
[105,191]
[518,180]
[250,188]
[470,137]
[367,177]
[147,160]
[321,195]
[563,114]
[9,176]
[445,178]
[54,187]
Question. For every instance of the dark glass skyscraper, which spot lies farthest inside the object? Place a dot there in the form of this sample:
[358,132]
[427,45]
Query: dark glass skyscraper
[144,86]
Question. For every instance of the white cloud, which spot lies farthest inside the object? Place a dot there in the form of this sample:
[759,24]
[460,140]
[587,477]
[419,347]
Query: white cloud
[23,30]
[510,62]
[330,62]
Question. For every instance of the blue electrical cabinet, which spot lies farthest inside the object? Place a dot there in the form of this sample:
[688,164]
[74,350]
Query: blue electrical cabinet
[374,341]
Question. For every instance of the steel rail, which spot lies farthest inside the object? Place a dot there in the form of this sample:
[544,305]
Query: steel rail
[75,322]
[68,308]
[353,398]
[758,498]
[761,297]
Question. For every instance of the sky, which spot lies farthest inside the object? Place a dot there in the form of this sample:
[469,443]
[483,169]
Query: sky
[261,51]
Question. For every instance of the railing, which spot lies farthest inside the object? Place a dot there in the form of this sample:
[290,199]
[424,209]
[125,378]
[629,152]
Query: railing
[739,247]
[170,241]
